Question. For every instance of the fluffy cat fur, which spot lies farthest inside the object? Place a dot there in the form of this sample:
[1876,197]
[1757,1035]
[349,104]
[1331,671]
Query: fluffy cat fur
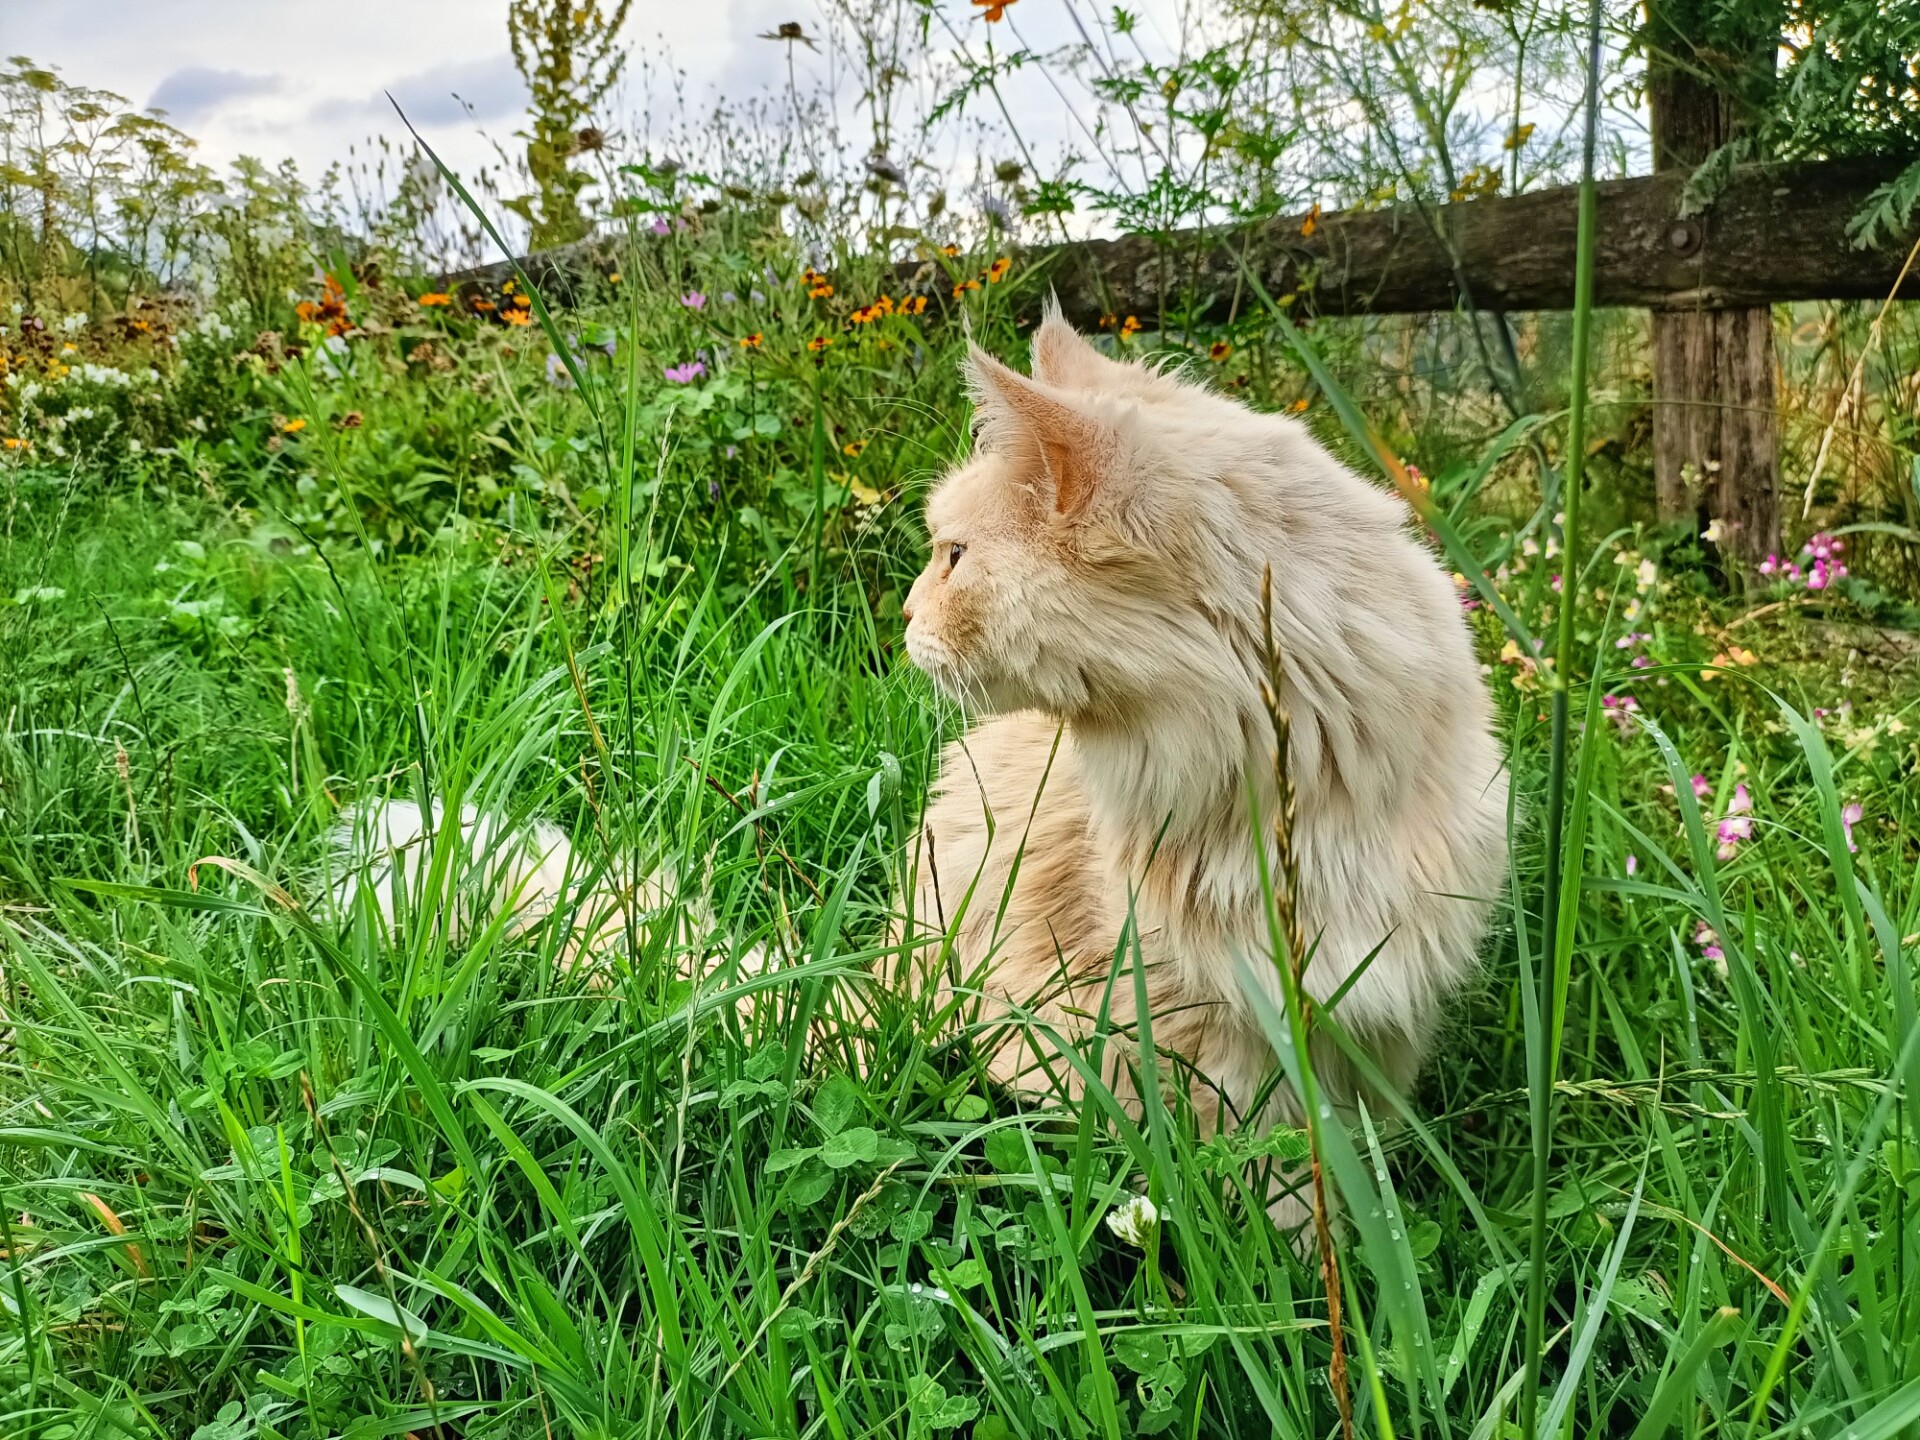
[1096,583]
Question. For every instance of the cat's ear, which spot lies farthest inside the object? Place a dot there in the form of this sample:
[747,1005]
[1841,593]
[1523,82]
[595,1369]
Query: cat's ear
[1061,354]
[1023,417]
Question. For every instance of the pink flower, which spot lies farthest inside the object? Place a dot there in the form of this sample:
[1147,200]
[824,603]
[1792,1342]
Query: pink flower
[684,373]
[1737,826]
[694,300]
[1701,790]
[1633,865]
[1849,818]
[1619,709]
[1708,941]
[660,226]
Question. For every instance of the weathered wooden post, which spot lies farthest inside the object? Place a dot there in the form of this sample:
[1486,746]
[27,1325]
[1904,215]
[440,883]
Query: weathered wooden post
[1716,445]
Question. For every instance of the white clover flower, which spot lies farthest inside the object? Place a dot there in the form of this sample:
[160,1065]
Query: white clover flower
[72,324]
[1135,1222]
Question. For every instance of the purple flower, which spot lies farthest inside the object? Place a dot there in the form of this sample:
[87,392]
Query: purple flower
[660,226]
[685,373]
[1633,865]
[694,300]
[1737,826]
[1850,817]
[557,374]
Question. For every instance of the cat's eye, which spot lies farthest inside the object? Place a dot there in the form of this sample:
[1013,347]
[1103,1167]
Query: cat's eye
[954,552]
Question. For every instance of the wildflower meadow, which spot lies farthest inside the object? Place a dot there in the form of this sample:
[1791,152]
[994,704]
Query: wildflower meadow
[584,486]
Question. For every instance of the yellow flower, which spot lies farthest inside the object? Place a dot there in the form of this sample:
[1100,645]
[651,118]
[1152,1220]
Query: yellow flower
[1130,327]
[14,442]
[916,306]
[1219,351]
[516,317]
[819,343]
[1298,405]
[435,297]
[997,271]
[853,447]
[964,286]
[753,341]
[293,427]
[614,278]
[820,291]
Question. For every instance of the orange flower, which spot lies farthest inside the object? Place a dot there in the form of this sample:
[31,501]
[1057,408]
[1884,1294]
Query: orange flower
[997,271]
[483,305]
[853,447]
[434,298]
[916,306]
[308,312]
[819,343]
[995,10]
[523,302]
[1130,327]
[292,427]
[820,291]
[862,316]
[883,306]
[1312,222]
[1107,321]
[14,442]
[1219,351]
[964,286]
[950,251]
[516,317]
[1299,405]
[753,341]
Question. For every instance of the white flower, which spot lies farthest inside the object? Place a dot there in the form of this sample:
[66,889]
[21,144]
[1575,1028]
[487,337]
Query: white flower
[73,324]
[1135,1222]
[1646,573]
[1715,533]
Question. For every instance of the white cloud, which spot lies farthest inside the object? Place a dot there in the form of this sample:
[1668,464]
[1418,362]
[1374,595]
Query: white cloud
[187,95]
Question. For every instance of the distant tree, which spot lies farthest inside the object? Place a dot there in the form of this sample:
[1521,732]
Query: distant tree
[569,53]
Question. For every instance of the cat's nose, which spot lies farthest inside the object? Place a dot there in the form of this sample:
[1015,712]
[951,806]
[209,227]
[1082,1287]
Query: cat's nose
[906,610]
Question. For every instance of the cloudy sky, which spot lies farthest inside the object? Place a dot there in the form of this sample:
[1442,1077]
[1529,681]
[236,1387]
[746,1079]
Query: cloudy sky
[306,78]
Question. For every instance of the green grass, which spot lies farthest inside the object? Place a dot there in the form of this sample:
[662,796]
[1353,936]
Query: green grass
[267,1173]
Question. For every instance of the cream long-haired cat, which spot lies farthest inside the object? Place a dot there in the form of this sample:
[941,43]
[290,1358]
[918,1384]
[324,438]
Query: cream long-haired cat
[1096,583]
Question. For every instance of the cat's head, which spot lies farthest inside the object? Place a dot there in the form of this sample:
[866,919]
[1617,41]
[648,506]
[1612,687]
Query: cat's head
[1073,550]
